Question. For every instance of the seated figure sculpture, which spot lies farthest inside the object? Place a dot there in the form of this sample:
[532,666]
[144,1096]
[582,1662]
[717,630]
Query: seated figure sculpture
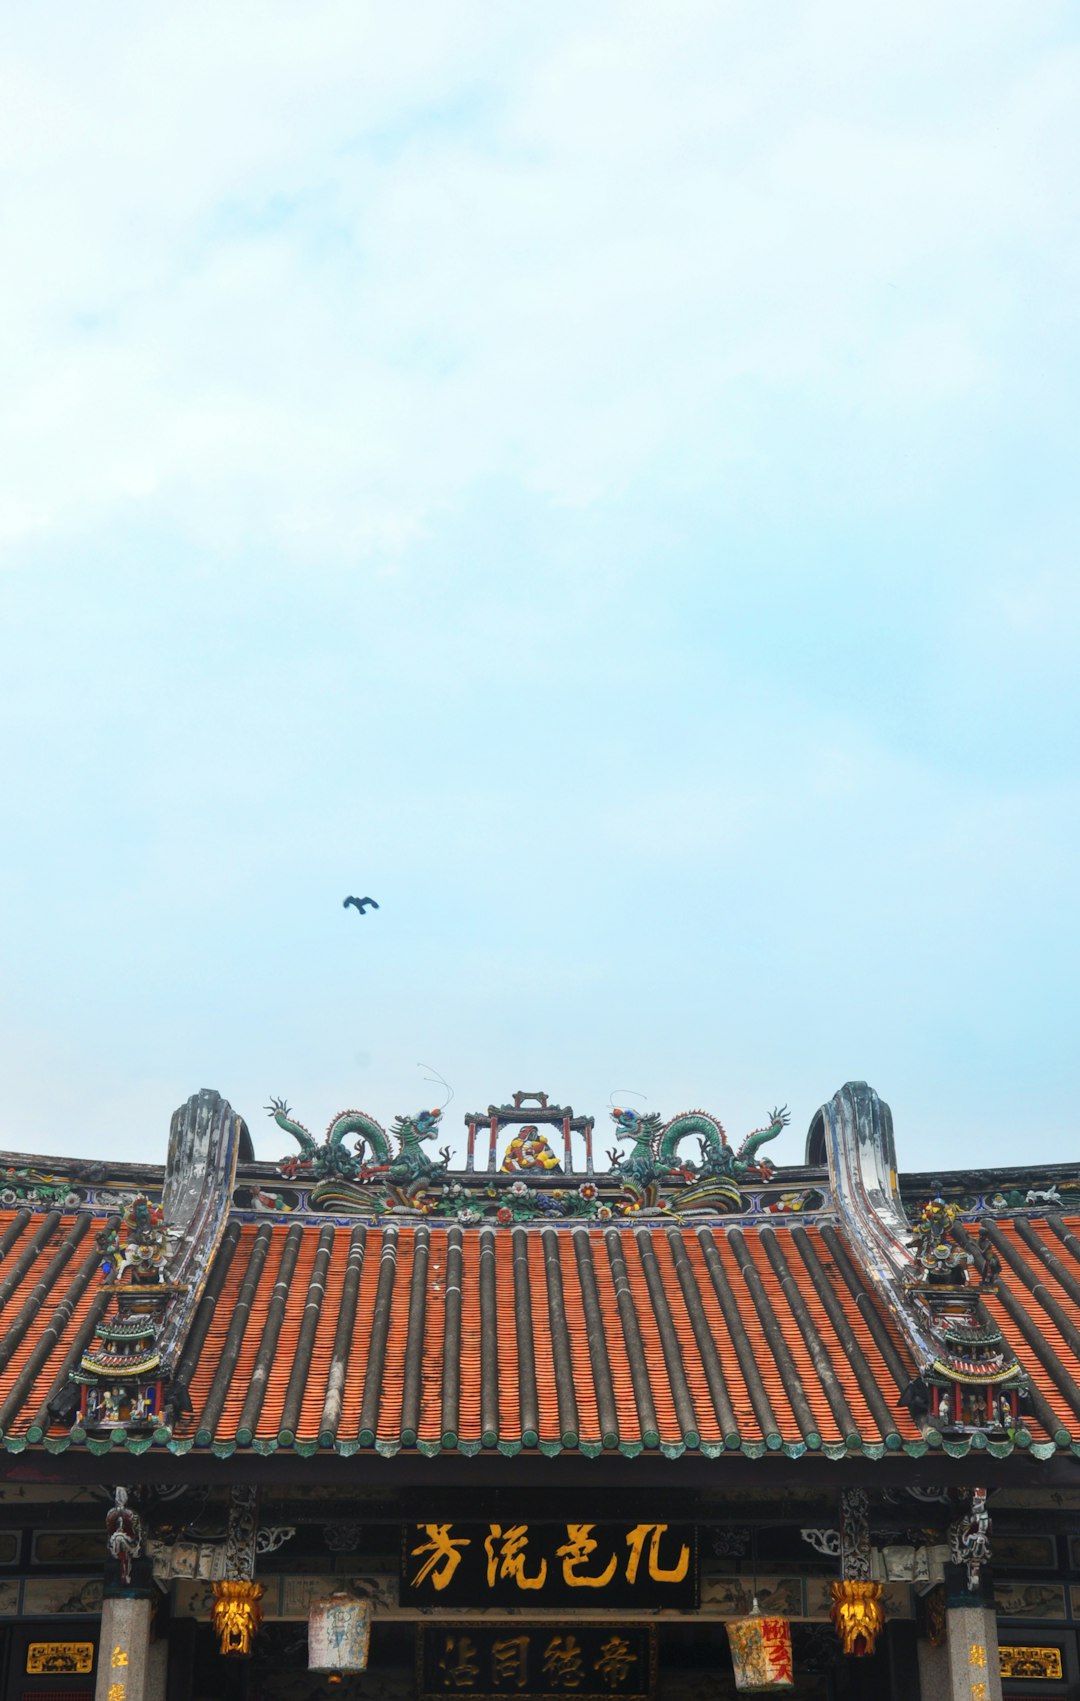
[529,1149]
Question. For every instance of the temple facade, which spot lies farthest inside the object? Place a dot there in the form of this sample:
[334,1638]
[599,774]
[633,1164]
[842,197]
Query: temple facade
[613,1413]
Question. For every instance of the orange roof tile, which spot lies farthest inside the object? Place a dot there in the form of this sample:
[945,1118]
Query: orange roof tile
[665,1334]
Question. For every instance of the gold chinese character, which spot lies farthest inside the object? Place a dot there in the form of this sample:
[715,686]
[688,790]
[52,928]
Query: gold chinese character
[511,1555]
[635,1541]
[458,1664]
[979,1692]
[615,1662]
[562,1661]
[576,1552]
[443,1559]
[510,1662]
[117,1692]
[977,1655]
[119,1656]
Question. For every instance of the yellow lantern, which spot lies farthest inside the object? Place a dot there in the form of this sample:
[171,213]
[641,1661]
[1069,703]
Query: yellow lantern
[339,1631]
[237,1614]
[761,1652]
[858,1614]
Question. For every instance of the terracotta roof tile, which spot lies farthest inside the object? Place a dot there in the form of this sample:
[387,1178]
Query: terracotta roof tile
[660,1334]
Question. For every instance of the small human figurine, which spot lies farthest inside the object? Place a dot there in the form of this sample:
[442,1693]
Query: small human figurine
[991,1269]
[134,1245]
[529,1149]
[123,1532]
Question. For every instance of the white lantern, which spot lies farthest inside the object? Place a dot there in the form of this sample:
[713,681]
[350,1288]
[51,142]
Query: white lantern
[339,1630]
[761,1653]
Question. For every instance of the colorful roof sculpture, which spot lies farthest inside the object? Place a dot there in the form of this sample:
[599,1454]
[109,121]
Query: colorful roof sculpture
[382,1303]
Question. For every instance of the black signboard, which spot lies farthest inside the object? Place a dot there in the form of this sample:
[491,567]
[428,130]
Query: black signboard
[550,1565]
[592,1662]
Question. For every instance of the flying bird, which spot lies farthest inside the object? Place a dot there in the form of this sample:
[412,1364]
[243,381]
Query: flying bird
[360,904]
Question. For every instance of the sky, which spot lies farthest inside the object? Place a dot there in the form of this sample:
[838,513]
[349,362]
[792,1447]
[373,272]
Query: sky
[600,478]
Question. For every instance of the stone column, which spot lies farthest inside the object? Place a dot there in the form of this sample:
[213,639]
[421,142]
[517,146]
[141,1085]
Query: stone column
[124,1649]
[972,1648]
[124,1644]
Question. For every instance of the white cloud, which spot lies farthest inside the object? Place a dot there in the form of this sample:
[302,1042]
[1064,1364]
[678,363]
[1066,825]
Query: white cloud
[308,276]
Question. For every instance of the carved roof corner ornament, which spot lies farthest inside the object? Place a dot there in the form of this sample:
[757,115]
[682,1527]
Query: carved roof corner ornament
[927,1272]
[153,1262]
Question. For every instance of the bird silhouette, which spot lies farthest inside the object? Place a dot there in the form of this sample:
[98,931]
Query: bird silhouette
[360,904]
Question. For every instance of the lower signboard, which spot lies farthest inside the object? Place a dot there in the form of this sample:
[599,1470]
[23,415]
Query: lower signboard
[592,1662]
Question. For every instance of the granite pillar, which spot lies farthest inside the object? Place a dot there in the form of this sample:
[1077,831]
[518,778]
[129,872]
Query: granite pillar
[971,1645]
[124,1649]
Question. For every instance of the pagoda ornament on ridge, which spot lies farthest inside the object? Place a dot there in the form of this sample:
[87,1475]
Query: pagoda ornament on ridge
[974,1381]
[120,1375]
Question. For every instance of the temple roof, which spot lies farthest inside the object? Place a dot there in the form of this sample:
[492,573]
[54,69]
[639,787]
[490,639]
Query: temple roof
[667,1336]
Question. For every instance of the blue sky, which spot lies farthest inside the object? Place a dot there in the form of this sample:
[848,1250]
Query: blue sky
[600,478]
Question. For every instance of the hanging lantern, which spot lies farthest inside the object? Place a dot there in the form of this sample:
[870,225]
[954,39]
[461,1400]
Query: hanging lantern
[339,1630]
[237,1614]
[858,1614]
[761,1652]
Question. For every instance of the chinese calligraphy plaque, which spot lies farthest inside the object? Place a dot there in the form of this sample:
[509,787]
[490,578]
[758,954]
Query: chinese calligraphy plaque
[550,1565]
[592,1662]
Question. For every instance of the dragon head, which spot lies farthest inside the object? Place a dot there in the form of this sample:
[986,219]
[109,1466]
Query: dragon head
[426,1123]
[627,1122]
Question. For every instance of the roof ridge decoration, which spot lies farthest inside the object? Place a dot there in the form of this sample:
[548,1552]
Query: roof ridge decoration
[155,1261]
[714,1183]
[331,1161]
[391,1173]
[969,1381]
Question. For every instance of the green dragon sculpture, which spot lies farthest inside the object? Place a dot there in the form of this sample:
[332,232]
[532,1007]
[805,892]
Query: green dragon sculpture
[639,1164]
[333,1162]
[654,1160]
